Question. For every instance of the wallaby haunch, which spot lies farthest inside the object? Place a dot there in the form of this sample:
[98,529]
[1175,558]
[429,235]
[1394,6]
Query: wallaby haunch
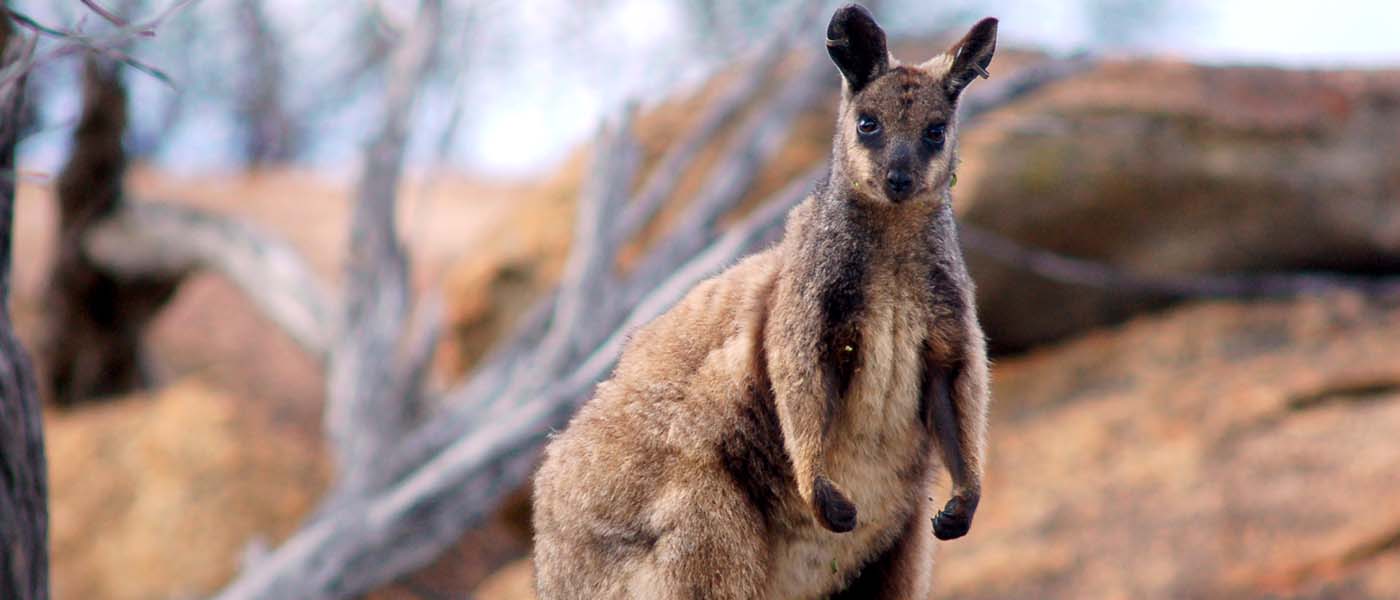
[773,435]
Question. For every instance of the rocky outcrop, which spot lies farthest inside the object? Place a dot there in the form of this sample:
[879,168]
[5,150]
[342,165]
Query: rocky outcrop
[1163,167]
[158,496]
[1219,450]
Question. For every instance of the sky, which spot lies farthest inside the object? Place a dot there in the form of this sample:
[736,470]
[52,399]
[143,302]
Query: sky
[537,74]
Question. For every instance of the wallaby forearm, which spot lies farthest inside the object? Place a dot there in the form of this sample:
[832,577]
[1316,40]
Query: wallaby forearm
[957,398]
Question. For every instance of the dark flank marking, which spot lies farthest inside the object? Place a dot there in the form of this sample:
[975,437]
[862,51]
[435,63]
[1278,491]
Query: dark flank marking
[932,384]
[625,543]
[753,455]
[945,293]
[842,270]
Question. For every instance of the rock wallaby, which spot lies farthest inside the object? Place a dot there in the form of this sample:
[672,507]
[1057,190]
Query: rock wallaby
[776,433]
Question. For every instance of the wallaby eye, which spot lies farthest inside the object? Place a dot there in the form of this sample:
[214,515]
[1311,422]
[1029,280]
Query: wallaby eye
[867,125]
[933,135]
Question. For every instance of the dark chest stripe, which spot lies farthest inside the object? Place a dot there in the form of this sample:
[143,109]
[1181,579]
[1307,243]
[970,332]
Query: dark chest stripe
[843,302]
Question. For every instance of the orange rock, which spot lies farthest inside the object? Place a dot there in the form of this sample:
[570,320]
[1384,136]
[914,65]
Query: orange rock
[158,496]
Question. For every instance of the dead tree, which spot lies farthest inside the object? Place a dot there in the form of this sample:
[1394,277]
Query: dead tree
[23,480]
[95,319]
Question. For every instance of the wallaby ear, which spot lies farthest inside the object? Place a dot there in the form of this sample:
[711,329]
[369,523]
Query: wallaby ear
[857,46]
[971,56]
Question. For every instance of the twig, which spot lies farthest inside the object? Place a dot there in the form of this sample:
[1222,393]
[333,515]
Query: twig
[108,44]
[111,18]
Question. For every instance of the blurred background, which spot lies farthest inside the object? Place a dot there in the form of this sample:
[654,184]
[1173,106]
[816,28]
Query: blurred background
[307,283]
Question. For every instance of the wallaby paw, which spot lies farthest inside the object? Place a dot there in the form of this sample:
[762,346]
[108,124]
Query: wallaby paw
[955,519]
[834,511]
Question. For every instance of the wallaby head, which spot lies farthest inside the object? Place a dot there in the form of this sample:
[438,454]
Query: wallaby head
[895,129]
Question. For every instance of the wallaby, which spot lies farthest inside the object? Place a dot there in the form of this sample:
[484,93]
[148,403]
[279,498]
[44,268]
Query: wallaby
[773,434]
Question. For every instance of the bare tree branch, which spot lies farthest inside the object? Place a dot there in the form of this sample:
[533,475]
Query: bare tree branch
[109,15]
[74,43]
[1091,273]
[363,417]
[417,349]
[765,132]
[660,184]
[588,271]
[144,240]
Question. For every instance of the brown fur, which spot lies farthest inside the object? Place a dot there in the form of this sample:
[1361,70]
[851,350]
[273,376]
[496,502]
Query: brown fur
[772,435]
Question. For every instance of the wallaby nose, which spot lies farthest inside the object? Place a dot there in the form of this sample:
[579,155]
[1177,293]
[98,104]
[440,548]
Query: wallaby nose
[898,184]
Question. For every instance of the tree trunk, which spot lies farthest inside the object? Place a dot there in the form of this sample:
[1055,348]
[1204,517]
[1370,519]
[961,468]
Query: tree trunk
[23,487]
[95,320]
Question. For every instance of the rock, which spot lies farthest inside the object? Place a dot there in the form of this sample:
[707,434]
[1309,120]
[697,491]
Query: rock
[158,496]
[1219,450]
[1166,167]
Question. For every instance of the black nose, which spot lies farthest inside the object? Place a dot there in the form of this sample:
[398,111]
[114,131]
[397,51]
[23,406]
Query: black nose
[898,184]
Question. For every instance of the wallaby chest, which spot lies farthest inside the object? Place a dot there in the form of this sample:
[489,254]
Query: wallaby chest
[887,305]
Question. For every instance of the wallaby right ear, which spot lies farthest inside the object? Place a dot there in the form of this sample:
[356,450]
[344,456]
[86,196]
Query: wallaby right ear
[971,56]
[857,46]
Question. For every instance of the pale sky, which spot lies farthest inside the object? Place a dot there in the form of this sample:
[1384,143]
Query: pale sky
[537,80]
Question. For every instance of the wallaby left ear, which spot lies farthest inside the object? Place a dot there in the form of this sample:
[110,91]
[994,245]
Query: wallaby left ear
[971,56]
[857,46]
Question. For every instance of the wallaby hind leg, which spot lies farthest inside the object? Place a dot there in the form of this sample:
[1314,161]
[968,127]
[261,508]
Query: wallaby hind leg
[712,548]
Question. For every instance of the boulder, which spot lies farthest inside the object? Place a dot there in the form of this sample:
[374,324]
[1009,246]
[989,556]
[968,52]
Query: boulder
[1218,450]
[159,496]
[1164,167]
